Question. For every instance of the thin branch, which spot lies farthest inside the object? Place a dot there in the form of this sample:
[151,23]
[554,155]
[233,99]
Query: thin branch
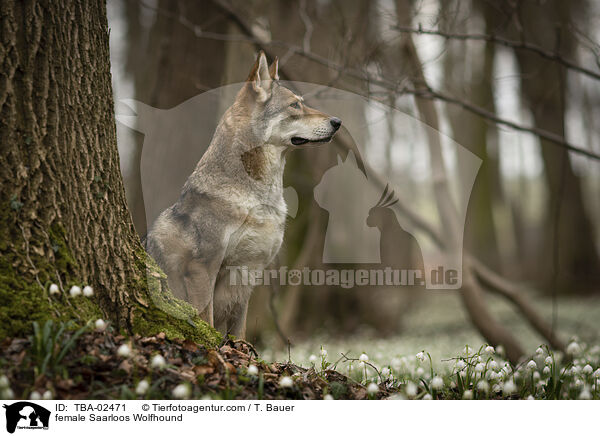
[519,45]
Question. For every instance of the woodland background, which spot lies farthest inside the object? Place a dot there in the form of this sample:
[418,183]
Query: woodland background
[514,81]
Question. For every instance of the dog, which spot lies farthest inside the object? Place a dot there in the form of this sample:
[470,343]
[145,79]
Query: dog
[231,211]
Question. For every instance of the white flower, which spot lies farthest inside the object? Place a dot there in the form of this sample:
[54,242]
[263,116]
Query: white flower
[530,397]
[361,365]
[124,351]
[396,397]
[497,388]
[587,369]
[420,371]
[54,289]
[597,373]
[100,325]
[493,365]
[363,357]
[453,384]
[466,349]
[75,291]
[385,372]
[493,375]
[578,383]
[323,352]
[312,358]
[158,361]
[252,370]
[573,348]
[536,376]
[548,360]
[35,396]
[142,387]
[489,349]
[500,350]
[539,351]
[411,389]
[463,373]
[328,397]
[47,395]
[4,383]
[483,386]
[480,367]
[546,370]
[286,382]
[7,394]
[531,365]
[88,291]
[437,383]
[467,395]
[509,387]
[427,397]
[420,356]
[585,394]
[576,369]
[372,389]
[461,364]
[181,392]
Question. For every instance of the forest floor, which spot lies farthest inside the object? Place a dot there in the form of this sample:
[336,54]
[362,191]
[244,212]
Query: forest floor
[102,365]
[430,360]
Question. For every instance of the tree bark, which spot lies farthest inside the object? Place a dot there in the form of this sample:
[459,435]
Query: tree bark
[64,215]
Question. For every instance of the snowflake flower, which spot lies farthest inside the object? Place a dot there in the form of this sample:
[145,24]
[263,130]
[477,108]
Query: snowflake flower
[480,367]
[35,396]
[493,365]
[461,364]
[286,382]
[372,389]
[181,392]
[328,397]
[100,325]
[548,360]
[420,356]
[546,370]
[385,372]
[54,289]
[411,389]
[4,383]
[437,383]
[142,387]
[312,358]
[468,395]
[587,369]
[47,395]
[427,397]
[489,349]
[573,348]
[531,364]
[585,394]
[88,291]
[75,291]
[124,351]
[509,387]
[539,351]
[483,386]
[158,362]
[420,371]
[530,397]
[363,357]
[252,370]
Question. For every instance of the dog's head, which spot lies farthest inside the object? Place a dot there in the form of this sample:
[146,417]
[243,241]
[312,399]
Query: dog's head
[280,117]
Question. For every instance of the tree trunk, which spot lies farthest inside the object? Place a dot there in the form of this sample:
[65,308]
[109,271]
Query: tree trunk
[569,260]
[64,215]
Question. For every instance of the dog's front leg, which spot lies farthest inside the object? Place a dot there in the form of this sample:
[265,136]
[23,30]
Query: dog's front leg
[237,321]
[199,282]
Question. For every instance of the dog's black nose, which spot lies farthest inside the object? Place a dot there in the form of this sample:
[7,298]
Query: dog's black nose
[335,123]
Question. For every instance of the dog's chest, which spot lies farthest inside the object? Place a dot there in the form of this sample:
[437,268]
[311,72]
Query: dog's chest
[256,241]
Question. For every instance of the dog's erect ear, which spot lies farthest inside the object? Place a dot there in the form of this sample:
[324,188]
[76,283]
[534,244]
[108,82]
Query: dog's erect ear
[260,78]
[274,69]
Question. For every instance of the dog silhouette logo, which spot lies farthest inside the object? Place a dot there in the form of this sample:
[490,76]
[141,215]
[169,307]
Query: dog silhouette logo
[26,415]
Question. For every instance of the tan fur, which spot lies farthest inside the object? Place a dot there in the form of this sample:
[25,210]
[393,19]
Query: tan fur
[231,210]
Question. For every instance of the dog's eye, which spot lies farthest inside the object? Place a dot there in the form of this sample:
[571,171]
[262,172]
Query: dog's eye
[295,105]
